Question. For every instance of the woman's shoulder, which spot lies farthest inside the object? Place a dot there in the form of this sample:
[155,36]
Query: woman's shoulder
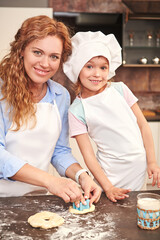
[59,93]
[56,87]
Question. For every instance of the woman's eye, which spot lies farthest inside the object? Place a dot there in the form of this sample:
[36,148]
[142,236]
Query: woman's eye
[54,57]
[38,53]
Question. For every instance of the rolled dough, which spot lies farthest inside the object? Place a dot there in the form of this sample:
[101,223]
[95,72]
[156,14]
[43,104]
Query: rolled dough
[45,220]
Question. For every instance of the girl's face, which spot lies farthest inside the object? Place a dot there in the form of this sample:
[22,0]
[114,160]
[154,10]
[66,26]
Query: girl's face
[42,58]
[93,76]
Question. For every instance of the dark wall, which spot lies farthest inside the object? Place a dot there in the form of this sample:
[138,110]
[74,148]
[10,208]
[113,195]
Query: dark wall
[143,81]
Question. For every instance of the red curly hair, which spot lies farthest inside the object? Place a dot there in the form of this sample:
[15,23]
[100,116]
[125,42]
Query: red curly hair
[15,81]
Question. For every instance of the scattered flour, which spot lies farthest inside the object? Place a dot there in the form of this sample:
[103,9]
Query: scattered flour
[125,205]
[101,228]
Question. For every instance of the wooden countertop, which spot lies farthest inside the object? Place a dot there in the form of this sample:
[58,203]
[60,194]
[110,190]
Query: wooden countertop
[109,221]
[153,118]
[151,115]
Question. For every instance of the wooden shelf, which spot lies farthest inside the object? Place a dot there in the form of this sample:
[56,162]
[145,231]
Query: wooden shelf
[141,65]
[141,47]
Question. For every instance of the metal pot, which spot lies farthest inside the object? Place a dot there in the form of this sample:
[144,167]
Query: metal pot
[143,60]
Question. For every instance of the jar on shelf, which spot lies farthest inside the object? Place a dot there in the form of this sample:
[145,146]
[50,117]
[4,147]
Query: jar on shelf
[131,38]
[149,38]
[158,39]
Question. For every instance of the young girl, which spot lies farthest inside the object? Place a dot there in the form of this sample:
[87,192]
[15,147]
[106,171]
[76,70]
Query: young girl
[34,116]
[109,114]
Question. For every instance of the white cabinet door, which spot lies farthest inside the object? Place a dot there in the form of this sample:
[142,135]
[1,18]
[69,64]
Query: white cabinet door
[11,19]
[155,128]
[158,146]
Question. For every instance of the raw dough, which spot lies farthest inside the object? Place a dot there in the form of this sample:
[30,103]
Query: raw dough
[75,211]
[45,220]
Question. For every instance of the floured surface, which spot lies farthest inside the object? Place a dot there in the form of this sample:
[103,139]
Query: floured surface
[88,226]
[109,221]
[14,225]
[84,211]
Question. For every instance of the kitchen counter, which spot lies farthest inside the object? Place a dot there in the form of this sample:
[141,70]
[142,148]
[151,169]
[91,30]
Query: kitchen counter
[151,115]
[155,118]
[109,221]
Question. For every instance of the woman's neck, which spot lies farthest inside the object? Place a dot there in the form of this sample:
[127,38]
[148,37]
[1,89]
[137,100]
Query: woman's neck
[38,92]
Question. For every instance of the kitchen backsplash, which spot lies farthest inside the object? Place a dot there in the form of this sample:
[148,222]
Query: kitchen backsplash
[144,82]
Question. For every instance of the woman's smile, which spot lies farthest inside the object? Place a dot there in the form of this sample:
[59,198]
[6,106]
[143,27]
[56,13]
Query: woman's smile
[41,72]
[42,58]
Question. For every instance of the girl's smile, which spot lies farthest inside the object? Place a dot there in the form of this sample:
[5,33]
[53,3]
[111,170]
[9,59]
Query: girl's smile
[95,81]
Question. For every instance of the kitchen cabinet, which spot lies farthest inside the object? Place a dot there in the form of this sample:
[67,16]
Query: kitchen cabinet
[155,128]
[89,21]
[141,41]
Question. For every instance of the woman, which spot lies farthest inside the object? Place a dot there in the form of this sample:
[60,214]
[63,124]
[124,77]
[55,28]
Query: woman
[33,116]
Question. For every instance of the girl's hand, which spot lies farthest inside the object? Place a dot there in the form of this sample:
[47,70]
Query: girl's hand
[115,194]
[90,188]
[154,171]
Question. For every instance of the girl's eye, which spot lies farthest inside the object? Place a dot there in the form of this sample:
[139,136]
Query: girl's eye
[89,66]
[104,68]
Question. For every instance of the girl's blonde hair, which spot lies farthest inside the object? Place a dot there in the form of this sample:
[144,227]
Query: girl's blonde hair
[15,81]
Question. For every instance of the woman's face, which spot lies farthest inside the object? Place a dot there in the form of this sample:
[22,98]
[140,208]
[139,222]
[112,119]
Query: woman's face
[42,58]
[93,76]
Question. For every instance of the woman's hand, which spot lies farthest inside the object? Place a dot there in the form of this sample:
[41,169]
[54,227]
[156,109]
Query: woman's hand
[154,171]
[90,188]
[65,188]
[114,193]
[62,187]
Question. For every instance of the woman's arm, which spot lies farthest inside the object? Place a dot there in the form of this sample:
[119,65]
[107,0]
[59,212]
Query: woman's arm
[152,167]
[62,187]
[86,149]
[9,164]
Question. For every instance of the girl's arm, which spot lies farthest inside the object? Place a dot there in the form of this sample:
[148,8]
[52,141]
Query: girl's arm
[86,149]
[152,167]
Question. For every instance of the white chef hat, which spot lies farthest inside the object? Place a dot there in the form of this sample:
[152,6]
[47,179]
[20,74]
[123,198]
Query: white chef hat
[86,45]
